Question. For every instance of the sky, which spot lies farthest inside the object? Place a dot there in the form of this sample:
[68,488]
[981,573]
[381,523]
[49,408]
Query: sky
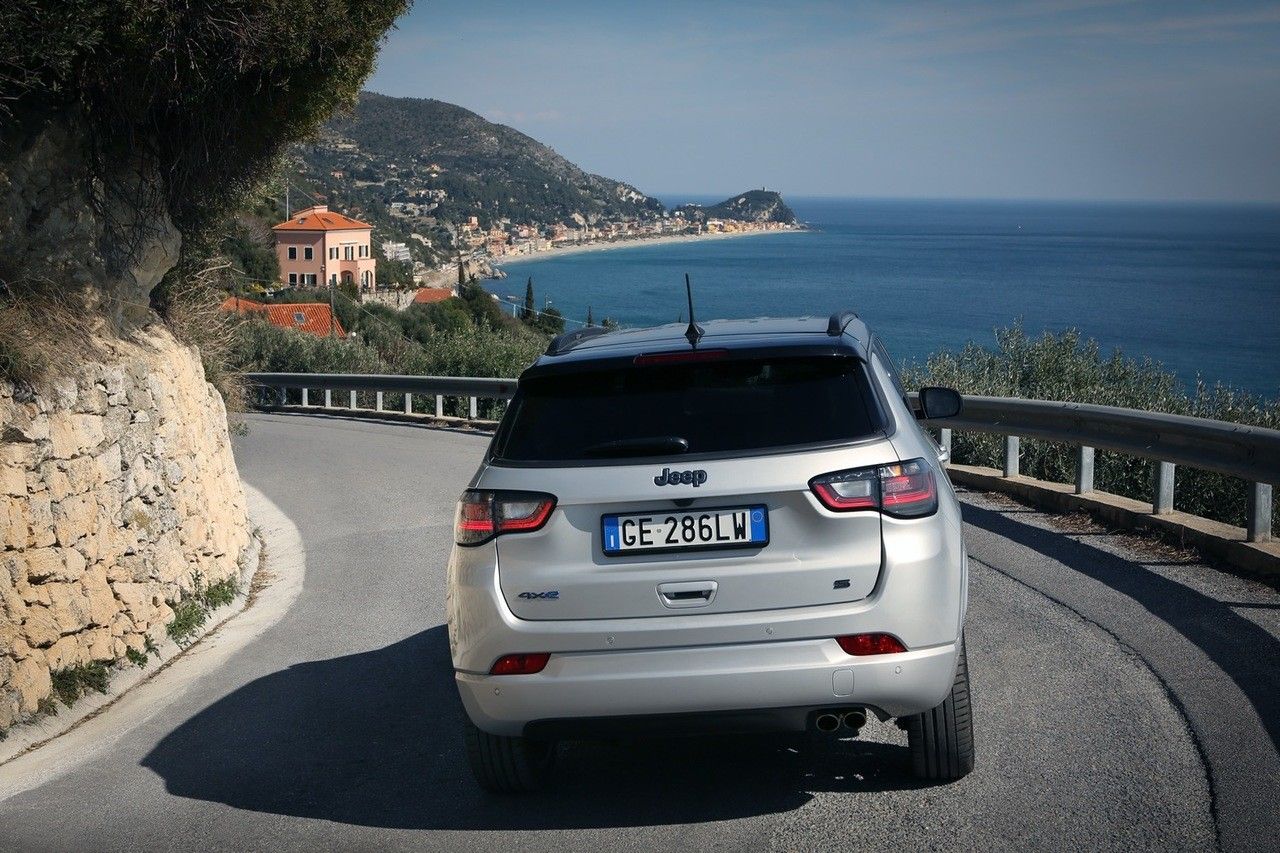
[1054,99]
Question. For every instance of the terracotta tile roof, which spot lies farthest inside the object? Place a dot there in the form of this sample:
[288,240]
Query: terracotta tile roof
[427,295]
[310,317]
[316,219]
[235,303]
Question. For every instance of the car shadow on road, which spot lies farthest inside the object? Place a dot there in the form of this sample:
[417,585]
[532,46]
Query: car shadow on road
[1242,649]
[375,739]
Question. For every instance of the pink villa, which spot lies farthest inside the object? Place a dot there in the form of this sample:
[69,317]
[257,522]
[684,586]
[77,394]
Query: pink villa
[319,247]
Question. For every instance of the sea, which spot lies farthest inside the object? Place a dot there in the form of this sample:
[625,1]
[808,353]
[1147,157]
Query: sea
[1193,286]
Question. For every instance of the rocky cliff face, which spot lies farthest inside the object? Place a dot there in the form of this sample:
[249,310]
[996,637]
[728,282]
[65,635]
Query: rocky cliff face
[118,494]
[108,243]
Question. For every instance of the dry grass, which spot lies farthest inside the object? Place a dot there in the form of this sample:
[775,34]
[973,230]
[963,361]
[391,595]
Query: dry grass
[1152,544]
[192,311]
[43,333]
[1149,543]
[1077,522]
[47,332]
[1161,545]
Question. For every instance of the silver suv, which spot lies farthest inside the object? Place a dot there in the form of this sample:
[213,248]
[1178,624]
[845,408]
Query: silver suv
[745,529]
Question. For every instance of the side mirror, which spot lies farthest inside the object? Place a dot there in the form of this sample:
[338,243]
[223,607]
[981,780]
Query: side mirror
[939,403]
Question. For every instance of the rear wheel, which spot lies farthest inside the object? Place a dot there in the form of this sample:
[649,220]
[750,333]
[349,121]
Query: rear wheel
[508,765]
[941,739]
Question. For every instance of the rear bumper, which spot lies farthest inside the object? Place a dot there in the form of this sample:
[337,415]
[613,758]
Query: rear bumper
[782,681]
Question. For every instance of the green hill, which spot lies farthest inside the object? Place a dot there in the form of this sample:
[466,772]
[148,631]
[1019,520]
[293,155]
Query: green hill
[422,149]
[417,169]
[751,206]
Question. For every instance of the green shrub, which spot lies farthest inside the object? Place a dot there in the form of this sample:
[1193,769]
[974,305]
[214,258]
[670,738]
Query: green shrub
[1067,367]
[189,614]
[192,610]
[221,593]
[158,112]
[73,682]
[408,342]
[210,92]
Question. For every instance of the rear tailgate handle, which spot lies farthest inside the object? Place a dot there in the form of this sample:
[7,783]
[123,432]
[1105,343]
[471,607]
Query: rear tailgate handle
[682,594]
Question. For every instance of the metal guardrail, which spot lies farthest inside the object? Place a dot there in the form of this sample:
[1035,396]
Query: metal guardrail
[1251,453]
[471,388]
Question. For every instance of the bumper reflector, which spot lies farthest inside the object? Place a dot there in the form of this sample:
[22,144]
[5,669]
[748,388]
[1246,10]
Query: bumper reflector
[522,664]
[871,644]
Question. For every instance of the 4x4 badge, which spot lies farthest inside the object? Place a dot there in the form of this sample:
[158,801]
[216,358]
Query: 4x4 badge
[668,477]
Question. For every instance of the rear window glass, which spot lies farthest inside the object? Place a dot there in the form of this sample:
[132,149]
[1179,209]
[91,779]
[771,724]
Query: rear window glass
[707,407]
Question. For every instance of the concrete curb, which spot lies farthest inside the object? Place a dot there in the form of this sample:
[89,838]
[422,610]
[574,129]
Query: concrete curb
[1223,541]
[34,753]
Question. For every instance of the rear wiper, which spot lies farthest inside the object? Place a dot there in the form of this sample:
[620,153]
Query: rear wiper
[649,446]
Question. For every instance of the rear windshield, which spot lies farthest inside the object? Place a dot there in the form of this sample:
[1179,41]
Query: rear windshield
[707,407]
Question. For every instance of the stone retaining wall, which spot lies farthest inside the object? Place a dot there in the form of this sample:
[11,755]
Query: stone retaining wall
[118,494]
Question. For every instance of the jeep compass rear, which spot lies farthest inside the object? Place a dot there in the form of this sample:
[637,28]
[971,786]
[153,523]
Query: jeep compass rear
[746,531]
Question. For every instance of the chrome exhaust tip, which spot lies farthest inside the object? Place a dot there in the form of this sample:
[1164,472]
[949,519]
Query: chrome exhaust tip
[826,723]
[855,719]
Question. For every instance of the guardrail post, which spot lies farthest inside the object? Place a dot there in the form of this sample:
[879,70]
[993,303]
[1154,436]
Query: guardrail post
[473,408]
[944,441]
[1162,488]
[1258,521]
[281,395]
[1084,470]
[439,405]
[378,404]
[328,398]
[1011,455]
[408,403]
[353,400]
[306,399]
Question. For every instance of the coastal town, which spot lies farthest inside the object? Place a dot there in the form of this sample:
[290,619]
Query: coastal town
[437,183]
[317,247]
[408,200]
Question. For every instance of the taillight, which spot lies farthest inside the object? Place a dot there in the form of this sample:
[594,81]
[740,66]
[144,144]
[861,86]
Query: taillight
[902,490]
[870,644]
[522,664]
[846,490]
[483,515]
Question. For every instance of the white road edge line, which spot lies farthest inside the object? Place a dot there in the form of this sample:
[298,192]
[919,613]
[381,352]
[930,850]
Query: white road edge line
[285,568]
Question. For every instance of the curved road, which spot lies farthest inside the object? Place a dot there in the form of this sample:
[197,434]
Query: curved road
[1121,701]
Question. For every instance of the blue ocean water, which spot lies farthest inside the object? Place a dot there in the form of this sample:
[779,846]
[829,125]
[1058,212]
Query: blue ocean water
[1196,287]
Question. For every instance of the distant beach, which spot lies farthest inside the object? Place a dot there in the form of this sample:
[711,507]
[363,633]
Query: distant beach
[633,243]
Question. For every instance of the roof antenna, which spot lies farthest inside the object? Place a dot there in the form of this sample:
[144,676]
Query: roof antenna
[694,332]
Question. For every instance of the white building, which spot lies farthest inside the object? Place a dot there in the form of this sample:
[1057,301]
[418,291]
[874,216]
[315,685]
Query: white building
[396,251]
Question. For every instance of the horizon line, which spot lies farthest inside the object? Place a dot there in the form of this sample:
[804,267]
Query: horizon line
[1117,200]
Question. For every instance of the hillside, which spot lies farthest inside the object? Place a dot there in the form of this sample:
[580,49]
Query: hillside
[418,170]
[751,206]
[422,149]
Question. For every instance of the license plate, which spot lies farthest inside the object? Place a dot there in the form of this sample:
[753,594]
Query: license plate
[686,530]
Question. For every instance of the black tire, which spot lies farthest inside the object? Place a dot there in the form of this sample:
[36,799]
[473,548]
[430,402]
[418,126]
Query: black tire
[941,739]
[508,765]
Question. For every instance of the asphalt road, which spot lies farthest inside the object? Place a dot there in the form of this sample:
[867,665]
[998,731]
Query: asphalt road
[1121,701]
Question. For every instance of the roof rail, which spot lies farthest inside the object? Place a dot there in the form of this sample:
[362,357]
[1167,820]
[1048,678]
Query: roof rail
[840,319]
[561,344]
